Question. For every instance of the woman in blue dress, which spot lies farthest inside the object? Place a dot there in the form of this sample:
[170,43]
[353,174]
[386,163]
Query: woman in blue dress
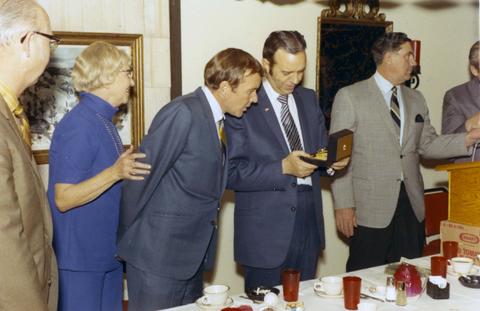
[87,163]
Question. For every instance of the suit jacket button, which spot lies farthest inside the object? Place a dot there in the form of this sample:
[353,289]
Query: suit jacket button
[401,156]
[293,209]
[213,223]
[294,184]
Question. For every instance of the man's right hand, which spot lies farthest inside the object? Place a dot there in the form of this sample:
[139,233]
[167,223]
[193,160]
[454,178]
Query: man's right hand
[345,220]
[293,165]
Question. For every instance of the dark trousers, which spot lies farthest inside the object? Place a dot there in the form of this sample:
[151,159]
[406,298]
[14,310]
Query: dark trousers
[303,251]
[403,237]
[149,292]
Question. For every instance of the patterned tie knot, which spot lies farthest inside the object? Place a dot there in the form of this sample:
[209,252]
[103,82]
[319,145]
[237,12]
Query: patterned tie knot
[18,111]
[283,99]
[394,90]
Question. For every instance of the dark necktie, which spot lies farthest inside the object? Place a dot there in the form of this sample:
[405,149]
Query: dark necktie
[395,109]
[288,125]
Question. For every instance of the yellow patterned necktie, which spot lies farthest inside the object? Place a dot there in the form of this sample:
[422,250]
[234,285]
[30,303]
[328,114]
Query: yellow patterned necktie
[17,110]
[221,132]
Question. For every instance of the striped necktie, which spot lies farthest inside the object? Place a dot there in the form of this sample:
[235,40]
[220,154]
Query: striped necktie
[288,125]
[395,109]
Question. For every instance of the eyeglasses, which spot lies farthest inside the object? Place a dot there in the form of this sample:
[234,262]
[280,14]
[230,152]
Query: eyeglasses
[53,40]
[129,72]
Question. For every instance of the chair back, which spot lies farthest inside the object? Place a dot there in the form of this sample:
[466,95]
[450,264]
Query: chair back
[436,210]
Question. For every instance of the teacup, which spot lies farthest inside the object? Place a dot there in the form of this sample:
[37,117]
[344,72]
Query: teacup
[215,295]
[367,306]
[330,285]
[461,265]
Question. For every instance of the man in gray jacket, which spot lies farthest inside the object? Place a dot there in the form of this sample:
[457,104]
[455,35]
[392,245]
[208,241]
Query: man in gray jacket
[379,199]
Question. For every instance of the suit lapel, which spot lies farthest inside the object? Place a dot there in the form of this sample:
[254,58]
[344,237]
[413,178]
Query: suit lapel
[268,113]
[208,115]
[303,117]
[407,115]
[212,126]
[380,107]
[473,88]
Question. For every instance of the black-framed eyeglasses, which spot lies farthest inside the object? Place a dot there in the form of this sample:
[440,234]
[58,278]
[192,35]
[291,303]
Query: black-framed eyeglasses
[53,40]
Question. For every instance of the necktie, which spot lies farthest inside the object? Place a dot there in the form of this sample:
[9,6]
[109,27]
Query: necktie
[18,112]
[288,125]
[221,132]
[395,109]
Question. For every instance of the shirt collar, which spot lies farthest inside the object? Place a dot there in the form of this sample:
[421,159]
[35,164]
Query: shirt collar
[272,94]
[214,105]
[384,85]
[98,105]
[9,96]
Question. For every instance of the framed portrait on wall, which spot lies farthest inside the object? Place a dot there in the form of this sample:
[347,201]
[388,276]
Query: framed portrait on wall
[53,95]
[344,55]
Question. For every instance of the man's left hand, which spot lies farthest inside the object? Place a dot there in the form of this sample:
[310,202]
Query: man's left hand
[473,122]
[340,165]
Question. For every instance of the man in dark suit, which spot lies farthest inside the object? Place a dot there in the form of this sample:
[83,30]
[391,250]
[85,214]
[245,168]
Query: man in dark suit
[278,207]
[463,101]
[379,200]
[167,231]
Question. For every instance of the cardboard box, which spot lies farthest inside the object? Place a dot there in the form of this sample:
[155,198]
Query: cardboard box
[468,237]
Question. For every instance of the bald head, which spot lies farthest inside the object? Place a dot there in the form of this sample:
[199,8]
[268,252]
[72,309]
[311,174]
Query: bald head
[19,16]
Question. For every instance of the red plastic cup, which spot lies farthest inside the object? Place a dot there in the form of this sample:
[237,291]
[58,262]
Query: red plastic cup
[290,283]
[438,266]
[351,291]
[450,249]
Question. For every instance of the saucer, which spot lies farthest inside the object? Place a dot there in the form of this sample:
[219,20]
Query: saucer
[325,295]
[203,306]
[473,271]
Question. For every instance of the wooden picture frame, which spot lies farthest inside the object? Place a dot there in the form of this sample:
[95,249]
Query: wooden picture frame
[344,54]
[53,95]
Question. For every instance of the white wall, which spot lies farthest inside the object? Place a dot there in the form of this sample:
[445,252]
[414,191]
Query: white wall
[210,26]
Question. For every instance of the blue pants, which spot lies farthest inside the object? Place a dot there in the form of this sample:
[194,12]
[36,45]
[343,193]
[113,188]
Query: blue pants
[303,251]
[92,291]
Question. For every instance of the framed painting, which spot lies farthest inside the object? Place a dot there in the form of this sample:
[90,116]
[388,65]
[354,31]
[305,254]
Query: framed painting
[53,95]
[344,42]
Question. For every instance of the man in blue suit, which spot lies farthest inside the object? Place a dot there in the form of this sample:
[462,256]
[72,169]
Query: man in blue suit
[278,207]
[168,222]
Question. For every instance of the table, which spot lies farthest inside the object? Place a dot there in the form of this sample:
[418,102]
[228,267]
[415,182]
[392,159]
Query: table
[461,298]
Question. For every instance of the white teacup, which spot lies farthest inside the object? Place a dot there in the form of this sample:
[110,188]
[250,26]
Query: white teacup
[215,295]
[461,265]
[367,306]
[330,285]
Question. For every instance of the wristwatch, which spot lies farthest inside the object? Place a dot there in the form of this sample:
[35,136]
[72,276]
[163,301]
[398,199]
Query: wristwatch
[330,171]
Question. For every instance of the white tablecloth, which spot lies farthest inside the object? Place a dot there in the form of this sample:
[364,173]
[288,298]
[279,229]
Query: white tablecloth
[461,298]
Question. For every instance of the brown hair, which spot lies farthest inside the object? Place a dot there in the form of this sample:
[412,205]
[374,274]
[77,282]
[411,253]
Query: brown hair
[388,42]
[473,55]
[291,41]
[230,65]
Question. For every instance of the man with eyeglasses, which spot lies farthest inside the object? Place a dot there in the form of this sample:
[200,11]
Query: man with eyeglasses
[27,263]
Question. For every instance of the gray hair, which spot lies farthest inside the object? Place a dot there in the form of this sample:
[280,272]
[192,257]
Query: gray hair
[17,16]
[473,55]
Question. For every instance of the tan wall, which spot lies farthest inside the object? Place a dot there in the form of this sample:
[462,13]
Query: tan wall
[211,25]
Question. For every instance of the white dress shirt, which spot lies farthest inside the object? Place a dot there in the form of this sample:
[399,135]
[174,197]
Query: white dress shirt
[277,108]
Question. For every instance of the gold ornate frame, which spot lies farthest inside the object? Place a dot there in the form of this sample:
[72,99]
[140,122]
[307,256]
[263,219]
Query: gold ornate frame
[134,43]
[345,33]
